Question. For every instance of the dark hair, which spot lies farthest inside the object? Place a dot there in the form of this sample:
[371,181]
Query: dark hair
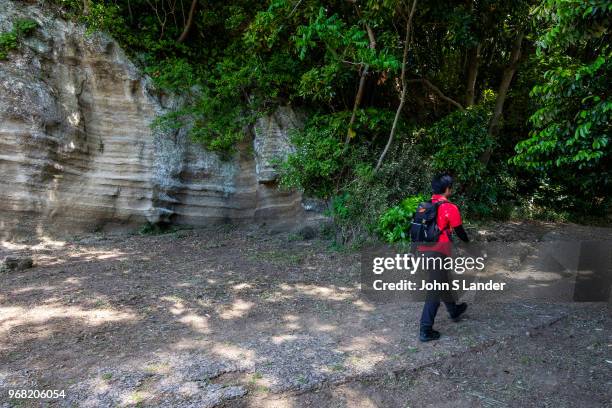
[441,182]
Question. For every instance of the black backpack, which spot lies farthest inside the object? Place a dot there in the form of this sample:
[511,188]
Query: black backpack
[424,227]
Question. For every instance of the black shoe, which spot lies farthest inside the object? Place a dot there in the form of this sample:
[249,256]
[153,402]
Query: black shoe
[428,335]
[459,310]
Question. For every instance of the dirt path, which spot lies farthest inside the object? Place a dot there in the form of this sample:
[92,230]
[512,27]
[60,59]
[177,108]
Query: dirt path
[203,318]
[564,364]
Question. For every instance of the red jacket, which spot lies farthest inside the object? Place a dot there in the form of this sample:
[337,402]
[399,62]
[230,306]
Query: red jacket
[449,217]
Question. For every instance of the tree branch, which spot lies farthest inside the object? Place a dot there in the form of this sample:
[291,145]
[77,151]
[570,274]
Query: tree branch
[359,95]
[502,92]
[472,74]
[505,83]
[403,84]
[189,23]
[86,7]
[438,91]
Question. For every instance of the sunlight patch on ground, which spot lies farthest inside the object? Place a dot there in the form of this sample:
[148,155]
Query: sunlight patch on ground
[242,286]
[323,327]
[234,353]
[186,315]
[13,317]
[238,309]
[283,338]
[365,307]
[45,243]
[82,255]
[34,288]
[318,291]
[196,322]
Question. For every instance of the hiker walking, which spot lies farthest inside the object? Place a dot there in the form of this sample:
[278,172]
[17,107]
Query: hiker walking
[434,223]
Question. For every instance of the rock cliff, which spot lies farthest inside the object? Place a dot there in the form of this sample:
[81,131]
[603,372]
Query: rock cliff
[77,151]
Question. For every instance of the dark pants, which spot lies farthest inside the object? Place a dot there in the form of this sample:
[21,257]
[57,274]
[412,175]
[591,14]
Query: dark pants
[430,309]
[432,301]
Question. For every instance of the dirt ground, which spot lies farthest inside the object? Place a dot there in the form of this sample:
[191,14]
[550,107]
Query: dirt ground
[246,318]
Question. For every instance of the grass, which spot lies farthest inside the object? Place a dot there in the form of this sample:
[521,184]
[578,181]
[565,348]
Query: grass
[101,303]
[137,398]
[253,383]
[157,368]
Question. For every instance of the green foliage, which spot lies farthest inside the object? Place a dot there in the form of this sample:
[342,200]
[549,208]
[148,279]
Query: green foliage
[321,161]
[358,208]
[318,157]
[458,143]
[106,17]
[394,224]
[460,139]
[243,59]
[570,141]
[24,27]
[69,8]
[10,40]
[156,229]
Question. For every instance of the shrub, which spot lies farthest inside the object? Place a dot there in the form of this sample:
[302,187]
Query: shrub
[317,161]
[457,144]
[322,166]
[394,224]
[357,212]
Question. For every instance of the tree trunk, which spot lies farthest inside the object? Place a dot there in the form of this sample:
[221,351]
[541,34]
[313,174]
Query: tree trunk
[189,22]
[403,85]
[86,7]
[502,92]
[360,90]
[472,74]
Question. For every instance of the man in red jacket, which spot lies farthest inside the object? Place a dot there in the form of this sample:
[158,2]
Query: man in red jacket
[449,222]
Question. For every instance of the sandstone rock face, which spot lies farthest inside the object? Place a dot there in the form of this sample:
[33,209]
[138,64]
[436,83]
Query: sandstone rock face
[272,141]
[77,151]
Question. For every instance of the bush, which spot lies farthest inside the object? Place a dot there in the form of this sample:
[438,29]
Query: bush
[322,166]
[318,158]
[357,212]
[457,144]
[394,224]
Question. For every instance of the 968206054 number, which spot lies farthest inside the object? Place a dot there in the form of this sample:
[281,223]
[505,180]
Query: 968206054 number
[36,394]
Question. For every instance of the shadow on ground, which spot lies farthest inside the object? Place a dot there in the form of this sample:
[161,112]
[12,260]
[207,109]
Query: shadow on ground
[200,318]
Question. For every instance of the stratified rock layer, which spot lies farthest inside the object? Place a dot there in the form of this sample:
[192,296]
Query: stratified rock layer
[77,151]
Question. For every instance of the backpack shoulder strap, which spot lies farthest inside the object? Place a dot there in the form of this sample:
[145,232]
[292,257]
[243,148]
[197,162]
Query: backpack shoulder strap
[437,205]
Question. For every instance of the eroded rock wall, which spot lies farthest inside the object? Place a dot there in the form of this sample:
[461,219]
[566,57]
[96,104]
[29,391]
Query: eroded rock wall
[77,152]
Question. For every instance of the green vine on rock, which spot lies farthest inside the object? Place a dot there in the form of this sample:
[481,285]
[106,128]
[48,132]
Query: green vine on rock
[10,40]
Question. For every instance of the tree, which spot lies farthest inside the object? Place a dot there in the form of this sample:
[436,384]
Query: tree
[570,140]
[403,85]
[374,77]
